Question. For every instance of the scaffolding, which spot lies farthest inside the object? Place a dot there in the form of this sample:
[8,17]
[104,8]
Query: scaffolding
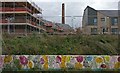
[20,14]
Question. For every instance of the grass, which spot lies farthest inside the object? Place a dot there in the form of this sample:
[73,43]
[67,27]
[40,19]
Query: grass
[57,44]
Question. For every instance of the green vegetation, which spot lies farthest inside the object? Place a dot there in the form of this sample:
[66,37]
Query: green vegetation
[61,44]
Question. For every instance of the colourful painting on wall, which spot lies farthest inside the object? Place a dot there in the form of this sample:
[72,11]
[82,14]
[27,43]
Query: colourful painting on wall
[59,62]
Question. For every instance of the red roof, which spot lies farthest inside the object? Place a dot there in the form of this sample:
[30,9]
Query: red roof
[48,24]
[59,29]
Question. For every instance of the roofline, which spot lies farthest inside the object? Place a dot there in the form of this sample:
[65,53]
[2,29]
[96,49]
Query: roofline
[105,14]
[89,7]
[28,1]
[95,10]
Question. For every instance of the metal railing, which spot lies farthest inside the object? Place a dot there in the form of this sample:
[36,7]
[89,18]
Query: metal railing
[5,9]
[34,5]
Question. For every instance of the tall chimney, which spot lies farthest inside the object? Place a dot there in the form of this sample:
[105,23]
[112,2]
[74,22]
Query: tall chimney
[63,13]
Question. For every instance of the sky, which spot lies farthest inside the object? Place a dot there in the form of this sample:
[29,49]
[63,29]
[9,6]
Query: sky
[51,9]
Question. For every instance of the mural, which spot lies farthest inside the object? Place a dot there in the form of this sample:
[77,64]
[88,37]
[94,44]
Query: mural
[59,62]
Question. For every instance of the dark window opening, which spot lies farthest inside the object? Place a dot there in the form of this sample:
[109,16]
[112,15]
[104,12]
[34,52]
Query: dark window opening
[11,28]
[93,30]
[102,19]
[114,30]
[92,21]
[114,21]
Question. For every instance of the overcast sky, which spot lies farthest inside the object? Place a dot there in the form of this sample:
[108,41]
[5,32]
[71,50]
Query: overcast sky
[52,9]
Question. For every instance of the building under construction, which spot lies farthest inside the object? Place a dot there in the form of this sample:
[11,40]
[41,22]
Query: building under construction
[21,17]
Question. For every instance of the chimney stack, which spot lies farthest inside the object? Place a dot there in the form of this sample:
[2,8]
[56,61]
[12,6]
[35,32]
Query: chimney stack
[63,13]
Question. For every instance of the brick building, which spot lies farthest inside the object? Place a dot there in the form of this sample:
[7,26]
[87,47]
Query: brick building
[100,21]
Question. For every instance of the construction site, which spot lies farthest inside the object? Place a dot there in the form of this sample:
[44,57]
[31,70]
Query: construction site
[23,17]
[32,41]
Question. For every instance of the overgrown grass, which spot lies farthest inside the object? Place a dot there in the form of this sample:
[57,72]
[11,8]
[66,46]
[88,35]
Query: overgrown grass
[57,44]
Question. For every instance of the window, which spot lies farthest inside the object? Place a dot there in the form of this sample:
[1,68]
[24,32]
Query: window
[11,28]
[92,20]
[95,21]
[114,21]
[41,23]
[103,22]
[102,19]
[114,30]
[104,30]
[93,30]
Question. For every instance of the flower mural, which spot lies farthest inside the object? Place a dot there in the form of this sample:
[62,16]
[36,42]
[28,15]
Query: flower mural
[1,61]
[58,59]
[79,58]
[30,64]
[103,66]
[107,58]
[99,60]
[89,58]
[48,62]
[8,58]
[23,60]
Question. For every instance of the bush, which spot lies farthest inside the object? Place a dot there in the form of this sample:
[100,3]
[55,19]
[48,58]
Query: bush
[56,44]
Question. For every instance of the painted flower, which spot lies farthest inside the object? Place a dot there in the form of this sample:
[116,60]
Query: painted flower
[58,59]
[45,66]
[79,58]
[103,66]
[119,59]
[63,65]
[107,58]
[117,65]
[1,61]
[99,60]
[17,63]
[89,58]
[42,61]
[78,65]
[45,58]
[68,58]
[8,58]
[30,64]
[23,60]
[113,59]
